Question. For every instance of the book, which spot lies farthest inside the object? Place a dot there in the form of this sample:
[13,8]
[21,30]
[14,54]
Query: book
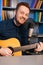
[3,12]
[40,15]
[32,4]
[0,10]
[42,12]
[36,3]
[39,4]
[36,16]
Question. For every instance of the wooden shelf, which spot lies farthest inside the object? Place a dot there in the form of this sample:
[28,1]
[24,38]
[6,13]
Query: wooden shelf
[8,8]
[39,22]
[40,35]
[12,8]
[37,35]
[37,10]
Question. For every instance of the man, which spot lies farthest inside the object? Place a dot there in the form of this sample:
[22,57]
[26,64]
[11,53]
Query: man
[15,28]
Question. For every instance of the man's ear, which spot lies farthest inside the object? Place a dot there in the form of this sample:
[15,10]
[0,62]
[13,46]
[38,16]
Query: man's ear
[14,12]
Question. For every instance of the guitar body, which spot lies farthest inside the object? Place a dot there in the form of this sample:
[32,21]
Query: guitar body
[12,42]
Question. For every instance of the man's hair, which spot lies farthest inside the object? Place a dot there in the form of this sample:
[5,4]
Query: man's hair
[24,4]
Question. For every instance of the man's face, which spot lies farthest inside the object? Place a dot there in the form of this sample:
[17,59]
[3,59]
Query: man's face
[22,14]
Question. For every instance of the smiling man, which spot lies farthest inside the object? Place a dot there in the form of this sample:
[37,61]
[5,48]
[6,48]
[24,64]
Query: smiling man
[16,28]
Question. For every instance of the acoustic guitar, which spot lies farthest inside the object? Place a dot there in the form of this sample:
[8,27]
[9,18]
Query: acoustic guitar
[15,44]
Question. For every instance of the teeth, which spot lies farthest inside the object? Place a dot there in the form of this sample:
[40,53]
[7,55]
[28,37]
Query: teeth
[22,19]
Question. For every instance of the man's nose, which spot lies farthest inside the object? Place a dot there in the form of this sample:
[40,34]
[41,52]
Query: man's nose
[24,16]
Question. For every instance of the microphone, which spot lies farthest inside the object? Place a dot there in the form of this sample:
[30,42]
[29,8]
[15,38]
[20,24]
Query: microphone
[30,33]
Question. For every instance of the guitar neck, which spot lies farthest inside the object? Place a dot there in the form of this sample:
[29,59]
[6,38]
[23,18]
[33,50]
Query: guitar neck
[26,47]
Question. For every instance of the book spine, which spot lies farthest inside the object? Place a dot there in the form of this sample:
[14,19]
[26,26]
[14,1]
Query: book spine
[0,10]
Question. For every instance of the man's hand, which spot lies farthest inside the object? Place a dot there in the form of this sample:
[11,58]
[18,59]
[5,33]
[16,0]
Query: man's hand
[5,52]
[39,47]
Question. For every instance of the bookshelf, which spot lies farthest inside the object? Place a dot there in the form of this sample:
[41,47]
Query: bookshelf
[31,9]
[34,8]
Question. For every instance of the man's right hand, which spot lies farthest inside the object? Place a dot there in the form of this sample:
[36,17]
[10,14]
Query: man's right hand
[5,52]
[39,47]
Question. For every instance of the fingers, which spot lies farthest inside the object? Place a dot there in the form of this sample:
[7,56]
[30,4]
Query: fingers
[39,47]
[5,52]
[41,44]
[8,51]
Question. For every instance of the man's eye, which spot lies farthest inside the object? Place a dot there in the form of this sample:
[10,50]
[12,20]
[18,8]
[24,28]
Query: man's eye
[22,13]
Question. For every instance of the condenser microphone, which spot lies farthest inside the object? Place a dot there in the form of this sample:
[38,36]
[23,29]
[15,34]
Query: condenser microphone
[30,33]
